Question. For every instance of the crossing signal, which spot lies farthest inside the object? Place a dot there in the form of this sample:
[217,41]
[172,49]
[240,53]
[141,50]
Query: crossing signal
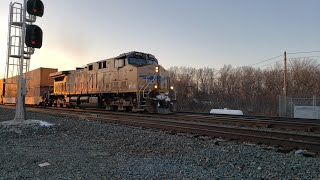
[35,7]
[33,36]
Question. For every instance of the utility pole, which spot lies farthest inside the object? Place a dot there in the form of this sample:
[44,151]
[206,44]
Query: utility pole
[285,75]
[285,84]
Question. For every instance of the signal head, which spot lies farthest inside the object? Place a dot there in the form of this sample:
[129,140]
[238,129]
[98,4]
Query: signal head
[33,36]
[35,7]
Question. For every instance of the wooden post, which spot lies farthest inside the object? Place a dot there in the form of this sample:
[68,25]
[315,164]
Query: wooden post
[285,84]
[285,75]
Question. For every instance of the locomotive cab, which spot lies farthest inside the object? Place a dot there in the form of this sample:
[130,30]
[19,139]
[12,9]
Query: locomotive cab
[155,93]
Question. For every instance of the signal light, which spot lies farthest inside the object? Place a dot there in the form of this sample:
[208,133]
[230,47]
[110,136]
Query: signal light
[156,86]
[35,7]
[171,87]
[33,36]
[157,69]
[34,33]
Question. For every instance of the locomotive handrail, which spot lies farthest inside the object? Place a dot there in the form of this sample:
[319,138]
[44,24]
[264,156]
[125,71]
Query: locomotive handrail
[140,92]
[143,89]
[146,87]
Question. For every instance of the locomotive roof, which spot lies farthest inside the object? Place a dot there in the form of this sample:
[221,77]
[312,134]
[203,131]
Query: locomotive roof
[59,73]
[121,56]
[129,54]
[134,53]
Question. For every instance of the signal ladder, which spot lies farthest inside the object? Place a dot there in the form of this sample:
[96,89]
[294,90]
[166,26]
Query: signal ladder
[15,41]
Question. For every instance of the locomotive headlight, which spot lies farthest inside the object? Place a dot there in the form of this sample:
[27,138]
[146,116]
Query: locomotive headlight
[157,69]
[156,86]
[171,87]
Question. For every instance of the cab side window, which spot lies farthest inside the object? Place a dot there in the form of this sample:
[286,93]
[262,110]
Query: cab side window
[119,63]
[90,67]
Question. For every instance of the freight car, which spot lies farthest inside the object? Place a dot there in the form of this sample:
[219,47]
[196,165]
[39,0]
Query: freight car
[38,84]
[132,81]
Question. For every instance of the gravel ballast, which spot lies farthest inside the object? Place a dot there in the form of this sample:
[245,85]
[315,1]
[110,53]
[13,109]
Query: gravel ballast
[74,149]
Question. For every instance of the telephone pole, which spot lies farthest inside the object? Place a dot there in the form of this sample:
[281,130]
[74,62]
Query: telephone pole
[285,75]
[285,84]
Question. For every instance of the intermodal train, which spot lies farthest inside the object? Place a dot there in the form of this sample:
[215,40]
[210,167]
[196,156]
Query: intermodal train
[38,84]
[132,81]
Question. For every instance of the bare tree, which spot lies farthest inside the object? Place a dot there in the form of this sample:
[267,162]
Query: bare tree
[253,90]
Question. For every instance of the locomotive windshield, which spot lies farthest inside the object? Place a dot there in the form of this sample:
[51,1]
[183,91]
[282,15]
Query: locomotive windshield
[141,61]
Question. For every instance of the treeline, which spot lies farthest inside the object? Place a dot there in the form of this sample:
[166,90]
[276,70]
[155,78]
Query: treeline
[255,91]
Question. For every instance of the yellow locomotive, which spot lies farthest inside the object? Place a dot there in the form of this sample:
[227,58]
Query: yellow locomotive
[132,81]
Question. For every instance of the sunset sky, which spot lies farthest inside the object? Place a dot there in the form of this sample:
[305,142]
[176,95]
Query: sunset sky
[206,33]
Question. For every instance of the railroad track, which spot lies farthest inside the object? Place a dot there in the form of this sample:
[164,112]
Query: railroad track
[200,126]
[272,123]
[260,122]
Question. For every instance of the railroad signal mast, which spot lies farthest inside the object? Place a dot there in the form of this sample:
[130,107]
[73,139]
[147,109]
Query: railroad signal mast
[23,37]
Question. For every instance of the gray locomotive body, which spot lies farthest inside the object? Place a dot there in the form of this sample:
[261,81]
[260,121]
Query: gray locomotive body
[132,81]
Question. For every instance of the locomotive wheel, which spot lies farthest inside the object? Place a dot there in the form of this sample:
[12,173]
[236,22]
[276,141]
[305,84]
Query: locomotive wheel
[166,110]
[151,106]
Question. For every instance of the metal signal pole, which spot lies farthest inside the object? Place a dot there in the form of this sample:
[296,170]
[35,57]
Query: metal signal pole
[20,104]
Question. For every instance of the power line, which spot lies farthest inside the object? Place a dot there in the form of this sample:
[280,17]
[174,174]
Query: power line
[305,57]
[305,52]
[288,59]
[269,64]
[266,60]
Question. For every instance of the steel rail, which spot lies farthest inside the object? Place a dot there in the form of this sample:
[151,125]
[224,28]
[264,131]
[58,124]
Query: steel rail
[239,121]
[293,141]
[225,120]
[282,139]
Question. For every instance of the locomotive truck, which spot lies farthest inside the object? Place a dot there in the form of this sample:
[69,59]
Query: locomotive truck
[132,81]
